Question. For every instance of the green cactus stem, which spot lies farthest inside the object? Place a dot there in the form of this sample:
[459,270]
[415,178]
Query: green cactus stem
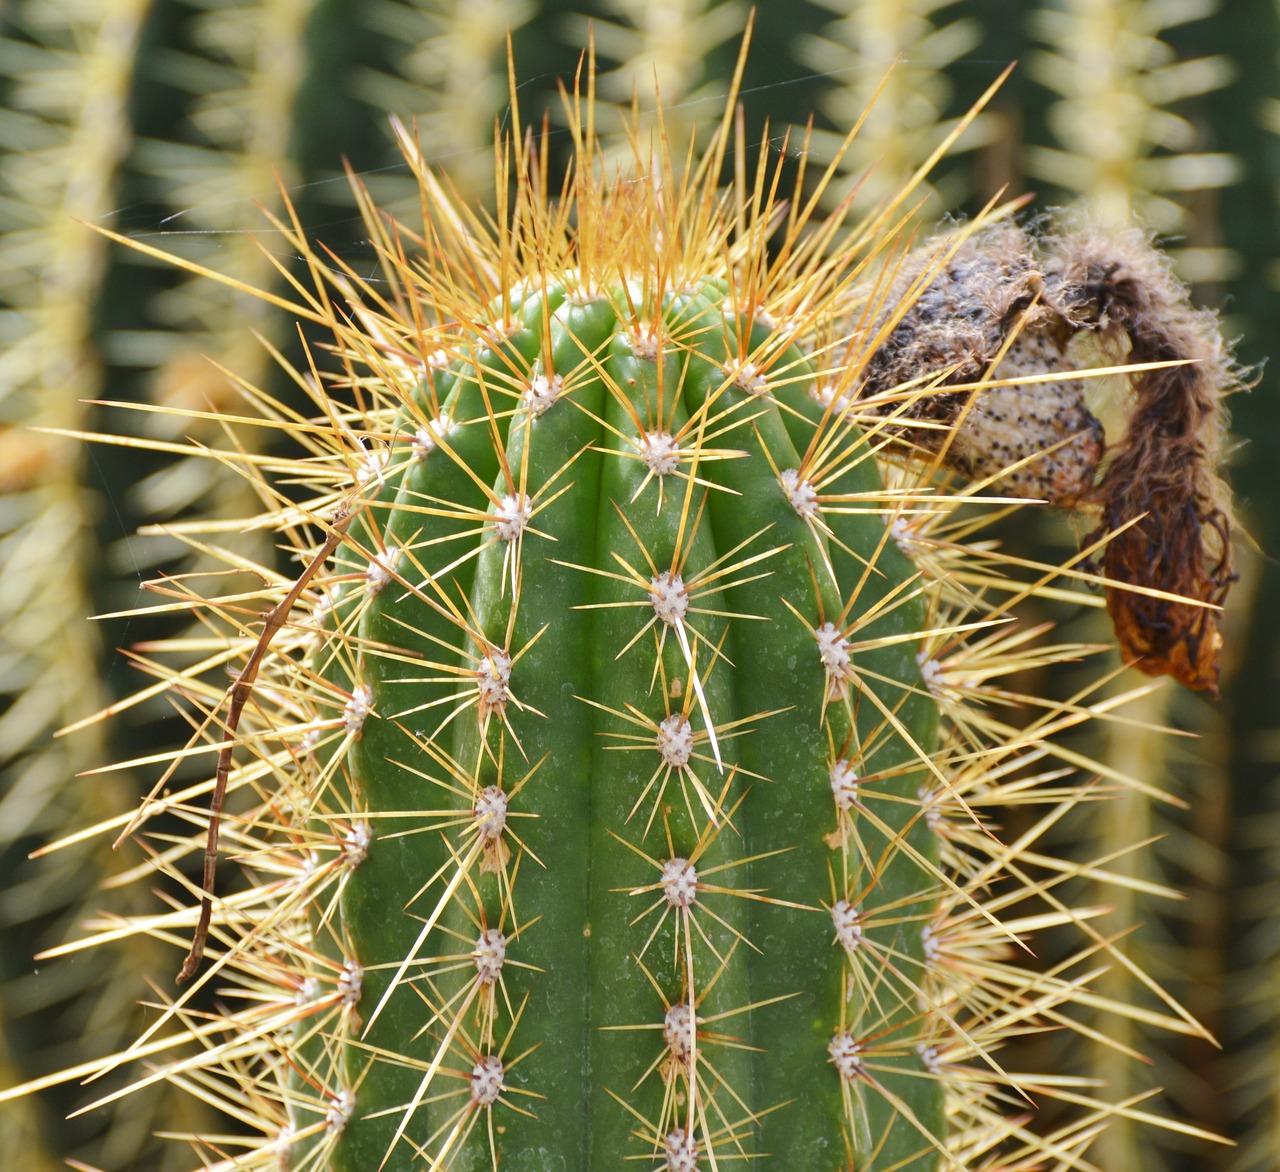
[614,684]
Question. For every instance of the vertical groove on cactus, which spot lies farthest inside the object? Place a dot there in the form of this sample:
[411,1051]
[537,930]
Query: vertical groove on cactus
[623,770]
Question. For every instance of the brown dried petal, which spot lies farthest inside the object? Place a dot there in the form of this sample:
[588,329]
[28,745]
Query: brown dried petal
[1160,636]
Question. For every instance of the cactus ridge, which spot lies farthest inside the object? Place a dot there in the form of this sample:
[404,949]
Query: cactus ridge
[623,781]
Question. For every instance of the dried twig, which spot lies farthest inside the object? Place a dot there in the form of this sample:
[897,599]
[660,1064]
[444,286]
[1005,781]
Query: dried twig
[241,690]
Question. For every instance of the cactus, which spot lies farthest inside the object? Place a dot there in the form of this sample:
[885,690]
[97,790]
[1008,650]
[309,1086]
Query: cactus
[617,778]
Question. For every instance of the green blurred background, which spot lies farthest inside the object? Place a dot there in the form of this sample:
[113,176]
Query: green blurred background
[170,121]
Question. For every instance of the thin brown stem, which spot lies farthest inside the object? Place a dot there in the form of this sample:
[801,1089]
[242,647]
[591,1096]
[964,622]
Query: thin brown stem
[240,692]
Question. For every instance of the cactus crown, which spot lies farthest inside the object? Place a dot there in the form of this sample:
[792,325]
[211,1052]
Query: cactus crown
[619,777]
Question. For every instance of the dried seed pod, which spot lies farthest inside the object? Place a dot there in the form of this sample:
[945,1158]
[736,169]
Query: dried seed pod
[1004,306]
[986,314]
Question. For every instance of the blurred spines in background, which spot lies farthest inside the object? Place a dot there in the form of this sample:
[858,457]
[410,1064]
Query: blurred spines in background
[886,62]
[68,69]
[677,44]
[240,72]
[1124,145]
[445,73]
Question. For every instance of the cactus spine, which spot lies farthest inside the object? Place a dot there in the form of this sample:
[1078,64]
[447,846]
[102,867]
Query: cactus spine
[614,781]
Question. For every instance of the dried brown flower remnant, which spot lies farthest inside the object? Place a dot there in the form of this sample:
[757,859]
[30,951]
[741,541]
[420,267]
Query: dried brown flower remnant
[1006,305]
[1163,473]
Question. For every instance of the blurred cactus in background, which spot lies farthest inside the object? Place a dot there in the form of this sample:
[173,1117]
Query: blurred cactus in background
[445,70]
[171,120]
[1124,144]
[885,63]
[68,76]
